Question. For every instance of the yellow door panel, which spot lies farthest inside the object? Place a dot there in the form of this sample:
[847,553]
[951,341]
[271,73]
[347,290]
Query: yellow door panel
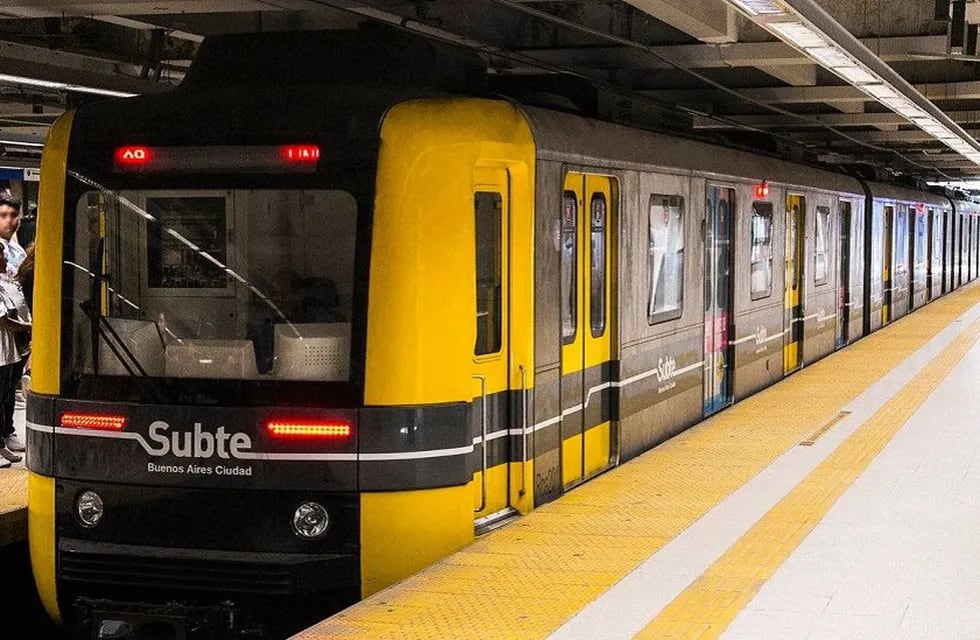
[571,459]
[574,325]
[597,448]
[793,296]
[492,345]
[588,277]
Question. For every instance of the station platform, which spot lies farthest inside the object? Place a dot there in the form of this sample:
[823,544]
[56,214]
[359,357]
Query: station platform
[843,502]
[13,494]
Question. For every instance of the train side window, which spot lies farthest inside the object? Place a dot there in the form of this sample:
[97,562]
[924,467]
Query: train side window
[597,295]
[920,240]
[821,250]
[487,208]
[569,260]
[901,241]
[761,251]
[666,258]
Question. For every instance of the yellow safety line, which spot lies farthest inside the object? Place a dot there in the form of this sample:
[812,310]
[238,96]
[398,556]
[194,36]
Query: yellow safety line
[706,608]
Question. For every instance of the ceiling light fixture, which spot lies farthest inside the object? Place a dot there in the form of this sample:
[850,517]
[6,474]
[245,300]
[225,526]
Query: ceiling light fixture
[758,7]
[21,143]
[804,25]
[63,86]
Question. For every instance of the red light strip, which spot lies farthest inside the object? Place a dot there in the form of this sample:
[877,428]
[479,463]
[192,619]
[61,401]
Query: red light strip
[307,429]
[301,153]
[93,421]
[132,155]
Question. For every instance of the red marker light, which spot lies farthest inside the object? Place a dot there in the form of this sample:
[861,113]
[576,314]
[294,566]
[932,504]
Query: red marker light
[132,155]
[308,429]
[762,190]
[301,153]
[93,421]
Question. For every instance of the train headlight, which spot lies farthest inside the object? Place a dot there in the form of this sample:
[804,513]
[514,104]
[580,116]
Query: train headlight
[89,508]
[310,521]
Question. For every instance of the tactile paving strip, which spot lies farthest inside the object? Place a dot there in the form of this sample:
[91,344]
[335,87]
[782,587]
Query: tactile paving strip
[706,608]
[13,505]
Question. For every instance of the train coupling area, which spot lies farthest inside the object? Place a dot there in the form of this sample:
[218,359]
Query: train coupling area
[111,620]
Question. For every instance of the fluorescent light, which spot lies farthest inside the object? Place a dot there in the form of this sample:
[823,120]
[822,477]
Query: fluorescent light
[856,75]
[938,131]
[63,86]
[794,27]
[758,7]
[20,143]
[829,56]
[798,34]
[904,107]
[880,91]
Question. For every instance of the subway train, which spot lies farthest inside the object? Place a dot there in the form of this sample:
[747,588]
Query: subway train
[328,310]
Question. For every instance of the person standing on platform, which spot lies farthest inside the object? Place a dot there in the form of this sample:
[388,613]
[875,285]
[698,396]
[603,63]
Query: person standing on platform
[9,223]
[14,255]
[15,322]
[25,277]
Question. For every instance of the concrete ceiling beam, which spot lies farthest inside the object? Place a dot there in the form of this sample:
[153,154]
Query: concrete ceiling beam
[796,75]
[72,68]
[707,20]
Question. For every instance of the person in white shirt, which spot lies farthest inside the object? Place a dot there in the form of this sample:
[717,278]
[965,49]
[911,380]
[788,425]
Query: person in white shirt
[15,325]
[9,223]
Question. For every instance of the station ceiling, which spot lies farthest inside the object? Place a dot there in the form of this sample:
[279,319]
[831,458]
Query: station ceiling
[698,67]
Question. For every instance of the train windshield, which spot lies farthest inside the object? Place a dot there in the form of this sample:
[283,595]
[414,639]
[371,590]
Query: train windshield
[245,285]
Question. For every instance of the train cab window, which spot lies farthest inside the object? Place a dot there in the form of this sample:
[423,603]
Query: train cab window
[487,208]
[569,260]
[761,251]
[236,285]
[821,249]
[597,286]
[666,258]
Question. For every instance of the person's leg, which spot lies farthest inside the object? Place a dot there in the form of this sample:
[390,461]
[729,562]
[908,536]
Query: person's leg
[7,413]
[16,371]
[6,391]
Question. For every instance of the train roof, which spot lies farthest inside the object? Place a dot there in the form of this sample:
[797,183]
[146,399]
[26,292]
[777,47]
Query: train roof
[893,192]
[565,136]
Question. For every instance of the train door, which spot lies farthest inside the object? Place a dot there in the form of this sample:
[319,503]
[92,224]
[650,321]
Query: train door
[793,294]
[888,243]
[844,292]
[720,211]
[493,357]
[930,251]
[588,267]
[971,268]
[947,252]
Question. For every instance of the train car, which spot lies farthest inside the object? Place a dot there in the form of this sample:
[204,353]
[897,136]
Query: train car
[896,225]
[316,318]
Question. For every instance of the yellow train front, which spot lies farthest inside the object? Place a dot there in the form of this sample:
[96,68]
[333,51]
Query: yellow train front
[260,382]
